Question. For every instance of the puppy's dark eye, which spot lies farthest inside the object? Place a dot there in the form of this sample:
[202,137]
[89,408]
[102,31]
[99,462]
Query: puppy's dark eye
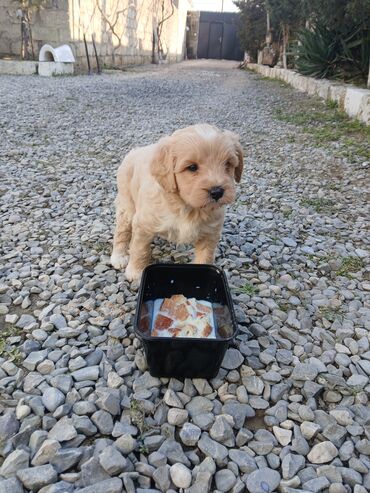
[228,165]
[193,168]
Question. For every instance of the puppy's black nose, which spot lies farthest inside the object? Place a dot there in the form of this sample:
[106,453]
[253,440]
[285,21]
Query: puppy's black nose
[216,193]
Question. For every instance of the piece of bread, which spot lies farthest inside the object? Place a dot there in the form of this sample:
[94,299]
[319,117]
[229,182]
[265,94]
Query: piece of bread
[183,317]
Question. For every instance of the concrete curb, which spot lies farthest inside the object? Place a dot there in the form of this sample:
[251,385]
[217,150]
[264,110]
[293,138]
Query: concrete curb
[351,99]
[48,69]
[26,67]
[18,67]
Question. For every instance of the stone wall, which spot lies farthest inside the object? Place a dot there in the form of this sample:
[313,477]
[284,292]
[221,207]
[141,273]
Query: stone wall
[123,29]
[351,99]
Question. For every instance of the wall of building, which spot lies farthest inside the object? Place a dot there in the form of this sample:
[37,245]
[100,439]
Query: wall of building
[122,29]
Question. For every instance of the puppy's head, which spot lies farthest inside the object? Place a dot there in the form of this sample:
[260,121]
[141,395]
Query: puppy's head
[201,164]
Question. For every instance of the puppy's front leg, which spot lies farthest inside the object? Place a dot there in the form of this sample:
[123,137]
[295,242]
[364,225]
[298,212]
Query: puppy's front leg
[139,253]
[205,249]
[122,235]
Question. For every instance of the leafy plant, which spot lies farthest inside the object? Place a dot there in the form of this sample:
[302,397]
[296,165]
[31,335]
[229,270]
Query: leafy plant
[333,105]
[252,25]
[287,16]
[334,44]
[317,52]
[354,55]
[319,204]
[8,351]
[325,53]
[247,289]
[338,15]
[348,265]
[137,414]
[331,314]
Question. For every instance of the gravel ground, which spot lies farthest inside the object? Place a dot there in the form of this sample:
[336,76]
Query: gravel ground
[289,410]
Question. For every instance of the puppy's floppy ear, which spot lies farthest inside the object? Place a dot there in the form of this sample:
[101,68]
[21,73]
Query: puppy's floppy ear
[239,168]
[163,165]
[239,153]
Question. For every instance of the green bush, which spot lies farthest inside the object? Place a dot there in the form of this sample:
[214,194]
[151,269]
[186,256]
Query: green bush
[322,52]
[334,44]
[252,25]
[317,52]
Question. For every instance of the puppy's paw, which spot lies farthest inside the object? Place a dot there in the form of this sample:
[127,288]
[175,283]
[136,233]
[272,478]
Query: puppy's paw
[132,274]
[118,261]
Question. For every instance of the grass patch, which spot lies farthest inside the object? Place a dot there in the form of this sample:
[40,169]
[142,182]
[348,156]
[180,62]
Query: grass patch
[329,124]
[137,414]
[333,105]
[284,307]
[349,265]
[98,247]
[247,289]
[7,351]
[352,149]
[319,204]
[15,356]
[333,186]
[286,211]
[318,258]
[319,261]
[243,202]
[331,314]
[275,81]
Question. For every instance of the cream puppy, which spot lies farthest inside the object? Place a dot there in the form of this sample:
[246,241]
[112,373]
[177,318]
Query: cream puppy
[176,189]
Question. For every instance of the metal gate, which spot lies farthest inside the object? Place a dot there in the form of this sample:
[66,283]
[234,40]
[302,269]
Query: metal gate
[218,37]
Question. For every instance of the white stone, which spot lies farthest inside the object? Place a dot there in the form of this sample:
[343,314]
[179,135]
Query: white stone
[22,411]
[47,450]
[11,318]
[283,436]
[180,475]
[342,416]
[52,398]
[356,99]
[309,429]
[322,453]
[177,417]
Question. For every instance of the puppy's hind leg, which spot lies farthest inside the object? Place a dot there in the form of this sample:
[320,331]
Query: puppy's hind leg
[122,234]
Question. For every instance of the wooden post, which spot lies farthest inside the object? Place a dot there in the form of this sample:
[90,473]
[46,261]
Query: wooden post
[268,29]
[96,55]
[87,56]
[285,42]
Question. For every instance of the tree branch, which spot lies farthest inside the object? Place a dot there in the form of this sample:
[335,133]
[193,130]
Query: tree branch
[111,23]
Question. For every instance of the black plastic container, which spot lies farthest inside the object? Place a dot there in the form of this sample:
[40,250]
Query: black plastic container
[183,357]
